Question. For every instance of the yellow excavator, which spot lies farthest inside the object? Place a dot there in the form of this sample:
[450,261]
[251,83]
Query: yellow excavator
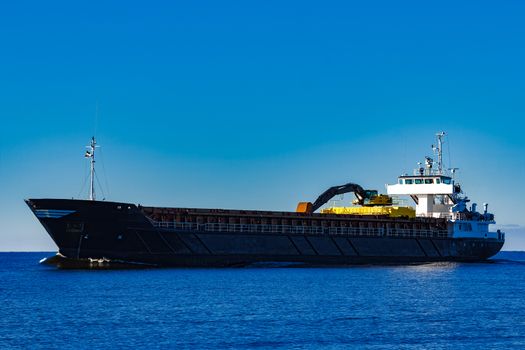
[368,202]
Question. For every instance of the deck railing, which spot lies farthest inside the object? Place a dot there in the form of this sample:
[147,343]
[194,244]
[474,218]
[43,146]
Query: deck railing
[313,230]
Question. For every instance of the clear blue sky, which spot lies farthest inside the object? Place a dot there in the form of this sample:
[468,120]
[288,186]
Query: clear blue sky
[256,104]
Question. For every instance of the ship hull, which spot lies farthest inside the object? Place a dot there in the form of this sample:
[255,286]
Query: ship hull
[123,232]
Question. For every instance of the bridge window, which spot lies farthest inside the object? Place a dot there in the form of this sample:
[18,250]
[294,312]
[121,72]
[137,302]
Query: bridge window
[447,180]
[418,181]
[408,182]
[400,181]
[438,181]
[429,181]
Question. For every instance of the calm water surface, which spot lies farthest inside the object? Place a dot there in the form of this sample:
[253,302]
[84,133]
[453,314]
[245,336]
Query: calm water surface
[435,306]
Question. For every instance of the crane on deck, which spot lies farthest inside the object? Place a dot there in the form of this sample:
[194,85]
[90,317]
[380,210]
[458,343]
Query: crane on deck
[363,197]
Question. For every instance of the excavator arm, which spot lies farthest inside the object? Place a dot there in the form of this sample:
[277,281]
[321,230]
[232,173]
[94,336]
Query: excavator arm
[307,207]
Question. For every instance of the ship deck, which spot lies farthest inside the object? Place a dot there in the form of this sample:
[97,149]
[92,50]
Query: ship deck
[228,220]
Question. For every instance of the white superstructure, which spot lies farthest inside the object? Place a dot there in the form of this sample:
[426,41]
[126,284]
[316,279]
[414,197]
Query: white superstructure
[436,194]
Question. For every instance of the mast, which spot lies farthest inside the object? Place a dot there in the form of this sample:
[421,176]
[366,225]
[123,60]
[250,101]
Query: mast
[90,153]
[440,136]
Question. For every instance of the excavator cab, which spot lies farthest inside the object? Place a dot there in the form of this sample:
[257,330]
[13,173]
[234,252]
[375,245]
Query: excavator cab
[370,193]
[372,199]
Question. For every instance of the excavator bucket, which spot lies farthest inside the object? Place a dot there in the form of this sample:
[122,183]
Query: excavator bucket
[304,207]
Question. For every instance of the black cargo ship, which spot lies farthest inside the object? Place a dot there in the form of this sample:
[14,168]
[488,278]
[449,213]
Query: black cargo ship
[84,229]
[91,230]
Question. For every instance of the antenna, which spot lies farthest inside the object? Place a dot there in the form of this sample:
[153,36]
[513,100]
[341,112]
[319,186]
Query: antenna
[90,153]
[96,119]
[440,136]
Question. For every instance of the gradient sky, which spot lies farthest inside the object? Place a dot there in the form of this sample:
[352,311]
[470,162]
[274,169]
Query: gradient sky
[256,104]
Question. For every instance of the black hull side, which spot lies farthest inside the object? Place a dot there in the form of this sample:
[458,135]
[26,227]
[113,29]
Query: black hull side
[120,231]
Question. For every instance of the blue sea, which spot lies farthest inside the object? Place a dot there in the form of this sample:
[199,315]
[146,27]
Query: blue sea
[432,306]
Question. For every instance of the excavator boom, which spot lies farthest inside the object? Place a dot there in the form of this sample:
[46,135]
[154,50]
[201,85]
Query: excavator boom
[307,207]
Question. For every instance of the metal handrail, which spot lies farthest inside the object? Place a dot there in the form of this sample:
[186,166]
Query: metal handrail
[316,230]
